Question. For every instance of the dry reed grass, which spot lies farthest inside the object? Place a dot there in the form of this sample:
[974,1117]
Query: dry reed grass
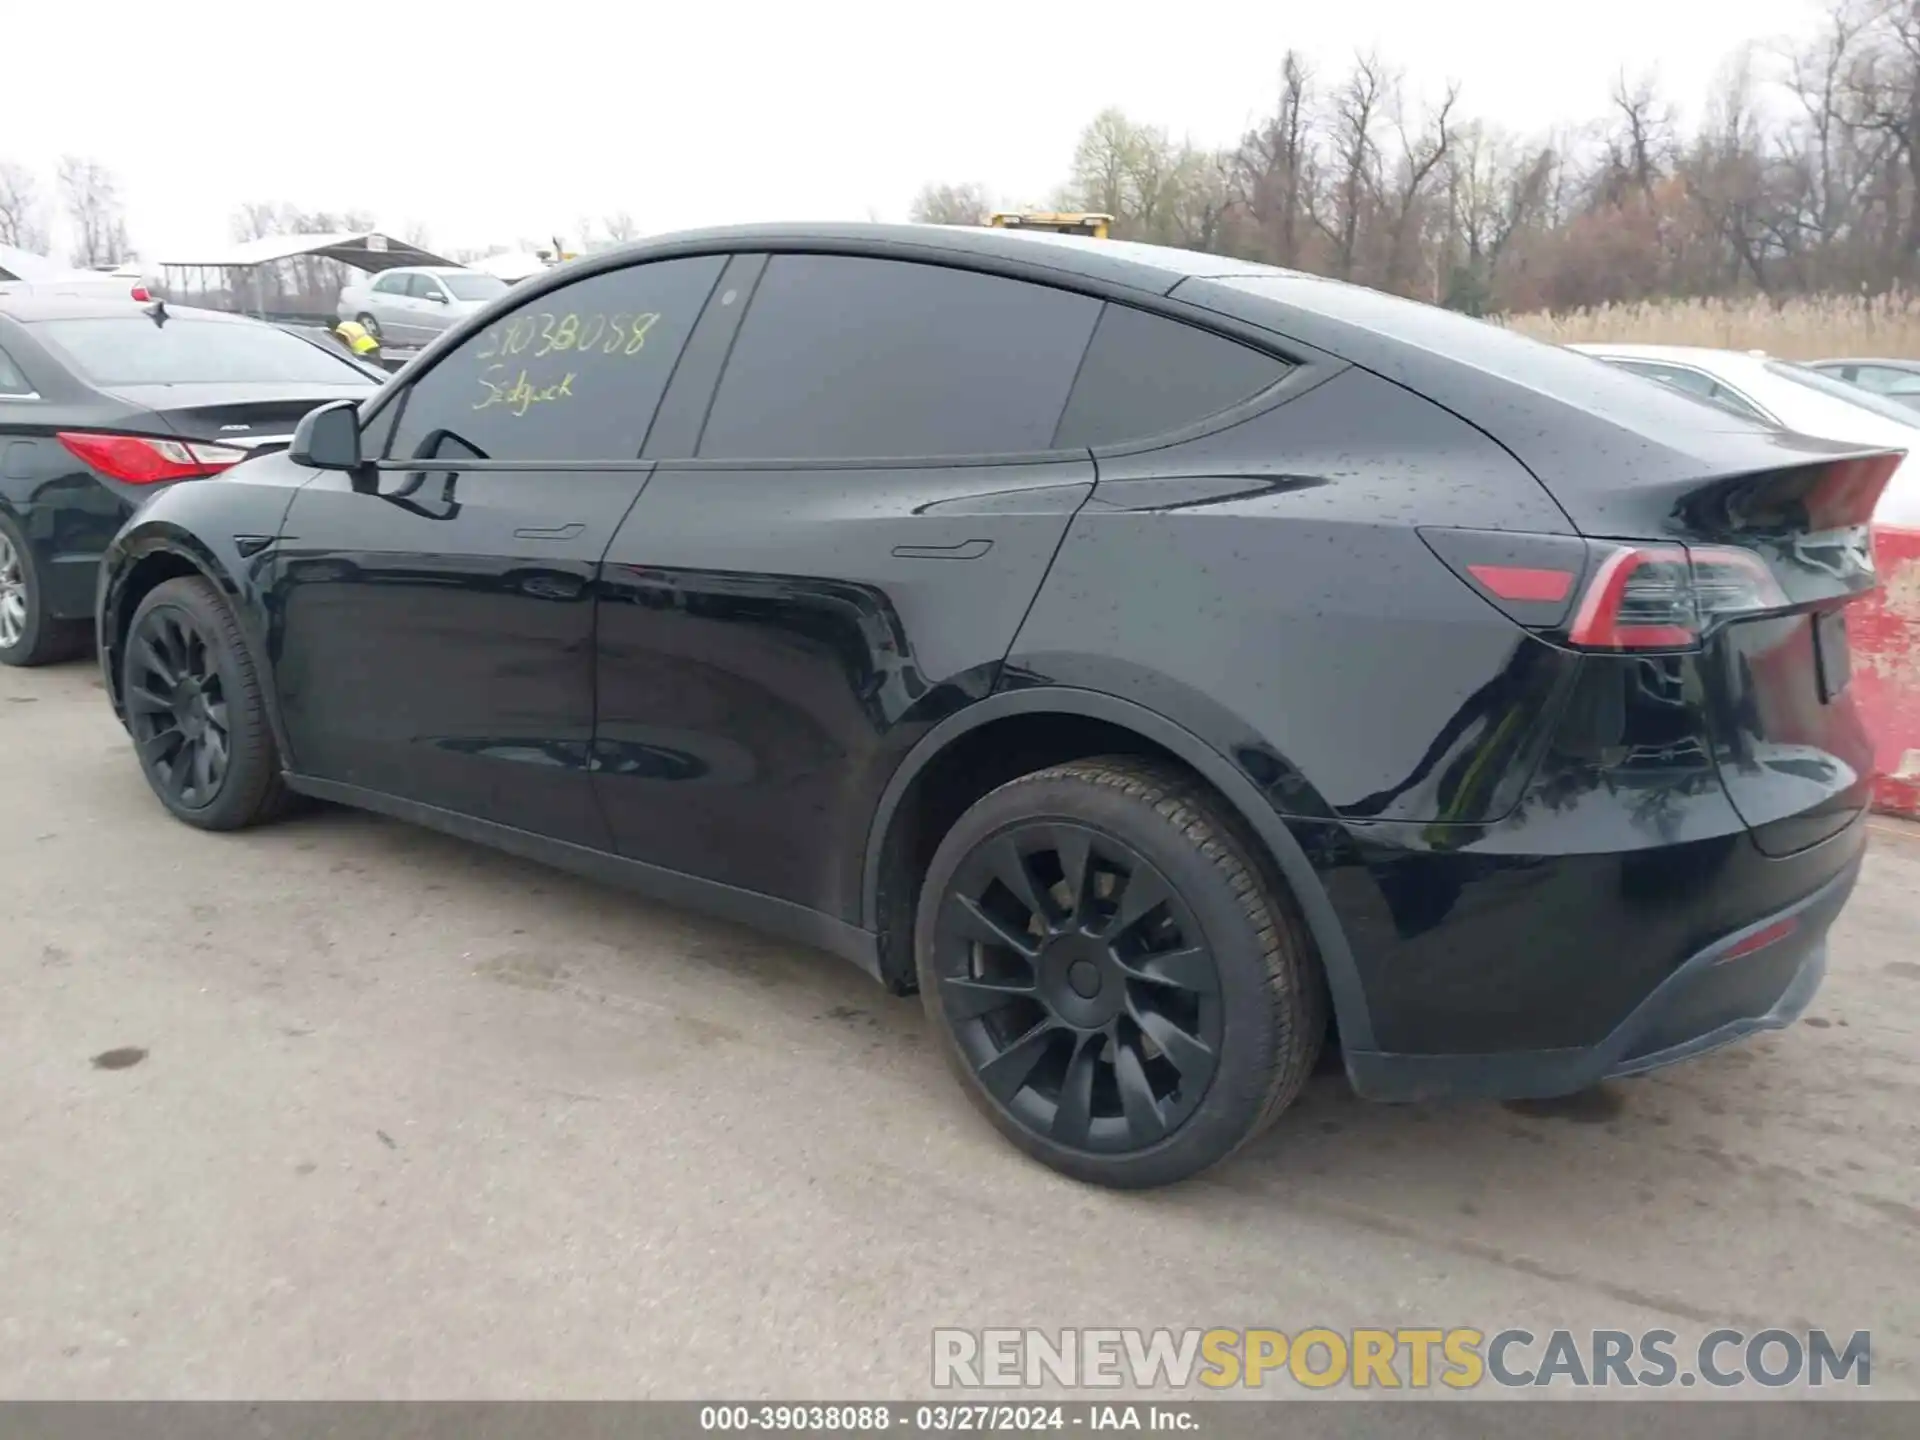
[1810,328]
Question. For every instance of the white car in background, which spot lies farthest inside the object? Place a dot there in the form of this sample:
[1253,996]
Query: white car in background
[1792,397]
[412,305]
[24,273]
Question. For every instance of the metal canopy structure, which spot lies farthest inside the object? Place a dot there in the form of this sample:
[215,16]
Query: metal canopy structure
[363,249]
[289,278]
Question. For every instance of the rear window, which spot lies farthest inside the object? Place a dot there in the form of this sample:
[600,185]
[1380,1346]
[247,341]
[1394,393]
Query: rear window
[133,350]
[474,287]
[1566,375]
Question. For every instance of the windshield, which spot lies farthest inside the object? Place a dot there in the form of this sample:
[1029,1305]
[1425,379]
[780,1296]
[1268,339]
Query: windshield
[474,287]
[1841,390]
[133,350]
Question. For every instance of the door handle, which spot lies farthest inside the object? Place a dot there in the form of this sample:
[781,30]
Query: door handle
[965,550]
[549,532]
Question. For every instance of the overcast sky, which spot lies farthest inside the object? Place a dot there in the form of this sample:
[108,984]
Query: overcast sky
[490,121]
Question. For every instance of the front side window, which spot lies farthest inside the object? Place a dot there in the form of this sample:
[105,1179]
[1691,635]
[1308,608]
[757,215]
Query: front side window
[846,358]
[423,287]
[574,374]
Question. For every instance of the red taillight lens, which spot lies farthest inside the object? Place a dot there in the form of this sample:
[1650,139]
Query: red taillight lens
[142,461]
[142,294]
[1759,940]
[1663,597]
[1521,582]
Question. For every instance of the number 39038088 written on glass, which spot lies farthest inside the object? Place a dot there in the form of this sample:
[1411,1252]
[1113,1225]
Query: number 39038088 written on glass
[548,333]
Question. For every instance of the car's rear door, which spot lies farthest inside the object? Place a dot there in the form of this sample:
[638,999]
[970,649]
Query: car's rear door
[830,558]
[436,632]
[387,302]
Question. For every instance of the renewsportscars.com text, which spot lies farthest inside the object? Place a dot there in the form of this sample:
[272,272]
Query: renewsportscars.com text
[1401,1358]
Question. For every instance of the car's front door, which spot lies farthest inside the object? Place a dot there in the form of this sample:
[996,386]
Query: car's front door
[830,560]
[433,307]
[435,621]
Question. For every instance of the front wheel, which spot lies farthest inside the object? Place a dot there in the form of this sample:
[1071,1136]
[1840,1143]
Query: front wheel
[1113,981]
[196,710]
[371,326]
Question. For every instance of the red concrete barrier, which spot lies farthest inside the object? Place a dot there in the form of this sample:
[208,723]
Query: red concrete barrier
[1884,634]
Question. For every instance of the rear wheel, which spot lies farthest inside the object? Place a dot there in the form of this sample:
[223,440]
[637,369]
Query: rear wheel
[1114,983]
[28,635]
[196,710]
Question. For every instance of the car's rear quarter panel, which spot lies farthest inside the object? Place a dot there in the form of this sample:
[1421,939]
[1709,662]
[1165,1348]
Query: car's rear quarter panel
[1520,841]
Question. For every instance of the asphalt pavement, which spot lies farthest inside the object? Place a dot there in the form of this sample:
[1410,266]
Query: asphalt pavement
[341,1108]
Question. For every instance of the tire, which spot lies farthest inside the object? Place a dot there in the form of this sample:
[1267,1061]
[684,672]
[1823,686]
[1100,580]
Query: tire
[28,635]
[370,325]
[188,673]
[1202,1013]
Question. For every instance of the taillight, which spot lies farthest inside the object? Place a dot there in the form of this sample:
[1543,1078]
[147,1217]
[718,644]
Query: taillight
[1610,595]
[139,460]
[1664,597]
[142,294]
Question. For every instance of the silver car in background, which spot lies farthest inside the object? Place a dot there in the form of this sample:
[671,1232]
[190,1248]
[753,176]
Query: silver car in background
[412,305]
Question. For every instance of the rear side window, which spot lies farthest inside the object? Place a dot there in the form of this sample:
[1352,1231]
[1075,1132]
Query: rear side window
[133,350]
[1694,382]
[12,382]
[574,374]
[1145,374]
[391,284]
[847,358]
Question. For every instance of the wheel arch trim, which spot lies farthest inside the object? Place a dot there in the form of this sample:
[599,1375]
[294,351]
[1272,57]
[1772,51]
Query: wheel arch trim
[128,554]
[1329,935]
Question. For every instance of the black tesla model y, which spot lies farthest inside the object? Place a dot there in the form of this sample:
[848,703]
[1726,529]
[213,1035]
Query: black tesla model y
[1159,662]
[103,404]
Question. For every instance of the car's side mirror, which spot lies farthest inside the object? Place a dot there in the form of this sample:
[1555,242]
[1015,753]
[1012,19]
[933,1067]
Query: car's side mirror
[328,438]
[439,297]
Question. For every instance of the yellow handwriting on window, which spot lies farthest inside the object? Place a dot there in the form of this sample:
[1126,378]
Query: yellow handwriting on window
[553,333]
[518,395]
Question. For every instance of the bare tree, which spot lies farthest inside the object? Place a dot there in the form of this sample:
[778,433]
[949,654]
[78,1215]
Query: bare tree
[1420,158]
[1356,112]
[620,227]
[964,204]
[92,197]
[1797,177]
[21,224]
[1273,172]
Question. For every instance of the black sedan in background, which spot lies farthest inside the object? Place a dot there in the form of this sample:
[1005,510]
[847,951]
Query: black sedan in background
[1144,655]
[103,403]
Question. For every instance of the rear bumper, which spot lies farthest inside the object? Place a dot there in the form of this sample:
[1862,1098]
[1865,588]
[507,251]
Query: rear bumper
[1715,997]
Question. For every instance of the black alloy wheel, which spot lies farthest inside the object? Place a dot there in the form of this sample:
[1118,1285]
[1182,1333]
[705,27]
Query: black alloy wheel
[177,708]
[1113,982]
[1079,986]
[194,707]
